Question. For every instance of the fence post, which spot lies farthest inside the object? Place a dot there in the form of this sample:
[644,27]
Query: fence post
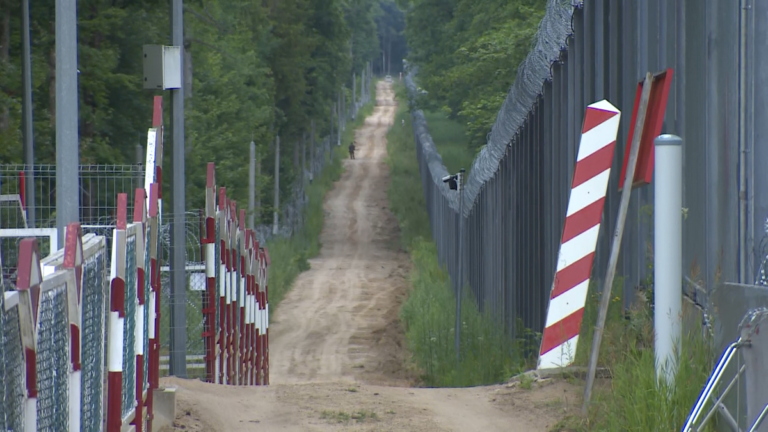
[140,217]
[117,319]
[275,222]
[354,94]
[457,326]
[614,257]
[668,250]
[252,186]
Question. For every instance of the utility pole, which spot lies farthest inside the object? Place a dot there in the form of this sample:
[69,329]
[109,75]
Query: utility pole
[28,129]
[67,140]
[178,354]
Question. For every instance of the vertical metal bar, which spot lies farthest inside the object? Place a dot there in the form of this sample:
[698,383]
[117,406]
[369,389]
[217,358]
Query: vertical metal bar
[67,142]
[178,354]
[252,186]
[28,129]
[275,217]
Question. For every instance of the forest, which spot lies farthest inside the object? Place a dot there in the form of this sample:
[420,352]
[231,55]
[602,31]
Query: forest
[253,70]
[468,52]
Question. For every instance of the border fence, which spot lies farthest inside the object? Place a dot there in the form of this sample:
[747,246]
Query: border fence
[85,325]
[517,189]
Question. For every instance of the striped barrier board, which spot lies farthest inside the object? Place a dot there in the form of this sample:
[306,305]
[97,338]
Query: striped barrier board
[580,232]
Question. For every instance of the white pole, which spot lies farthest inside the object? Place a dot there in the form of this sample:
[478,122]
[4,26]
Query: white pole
[667,258]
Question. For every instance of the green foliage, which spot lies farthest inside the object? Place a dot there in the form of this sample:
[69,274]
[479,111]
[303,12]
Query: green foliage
[429,312]
[254,70]
[468,52]
[632,400]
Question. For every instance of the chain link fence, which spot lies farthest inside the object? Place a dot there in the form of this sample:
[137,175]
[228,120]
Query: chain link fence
[53,361]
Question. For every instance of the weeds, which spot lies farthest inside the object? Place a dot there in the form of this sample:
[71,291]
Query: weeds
[429,312]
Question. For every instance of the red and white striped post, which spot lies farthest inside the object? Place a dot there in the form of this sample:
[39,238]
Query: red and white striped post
[209,242]
[234,279]
[154,293]
[140,217]
[28,281]
[152,182]
[73,259]
[115,339]
[249,313]
[241,299]
[258,318]
[223,281]
[580,232]
[266,316]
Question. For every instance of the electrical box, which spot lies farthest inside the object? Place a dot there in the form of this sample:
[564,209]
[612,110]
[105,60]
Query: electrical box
[162,67]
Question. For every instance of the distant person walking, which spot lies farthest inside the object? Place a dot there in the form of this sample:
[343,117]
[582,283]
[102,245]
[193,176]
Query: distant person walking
[352,150]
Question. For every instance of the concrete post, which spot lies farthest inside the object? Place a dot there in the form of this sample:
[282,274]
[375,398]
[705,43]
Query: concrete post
[754,355]
[667,257]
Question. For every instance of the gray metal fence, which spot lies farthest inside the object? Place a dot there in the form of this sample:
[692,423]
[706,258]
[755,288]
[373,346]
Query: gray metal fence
[518,186]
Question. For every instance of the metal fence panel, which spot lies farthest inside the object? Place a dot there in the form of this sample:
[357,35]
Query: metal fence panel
[14,370]
[518,186]
[53,361]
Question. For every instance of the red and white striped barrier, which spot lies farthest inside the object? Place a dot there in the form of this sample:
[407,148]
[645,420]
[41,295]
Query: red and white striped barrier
[28,283]
[234,306]
[116,322]
[580,232]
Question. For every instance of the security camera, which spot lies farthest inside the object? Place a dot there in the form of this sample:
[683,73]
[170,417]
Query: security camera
[451,180]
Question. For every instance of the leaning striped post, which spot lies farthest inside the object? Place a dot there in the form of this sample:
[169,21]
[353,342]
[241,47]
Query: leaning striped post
[580,232]
[28,282]
[73,260]
[209,243]
[117,318]
[250,303]
[258,316]
[223,278]
[140,217]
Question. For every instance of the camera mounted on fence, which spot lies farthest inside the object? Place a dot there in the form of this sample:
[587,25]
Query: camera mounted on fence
[454,180]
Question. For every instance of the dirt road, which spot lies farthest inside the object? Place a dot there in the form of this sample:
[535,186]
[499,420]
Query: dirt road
[337,356]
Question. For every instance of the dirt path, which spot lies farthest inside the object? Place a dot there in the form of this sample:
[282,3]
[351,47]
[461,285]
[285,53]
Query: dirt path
[337,360]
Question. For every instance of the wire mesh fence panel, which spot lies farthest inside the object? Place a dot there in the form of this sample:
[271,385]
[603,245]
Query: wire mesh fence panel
[53,361]
[3,402]
[99,186]
[9,249]
[129,326]
[13,370]
[95,309]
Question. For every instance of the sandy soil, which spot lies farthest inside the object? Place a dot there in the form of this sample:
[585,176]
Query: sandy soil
[337,355]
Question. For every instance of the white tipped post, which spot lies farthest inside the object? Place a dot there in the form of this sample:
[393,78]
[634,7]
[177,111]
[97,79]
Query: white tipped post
[667,258]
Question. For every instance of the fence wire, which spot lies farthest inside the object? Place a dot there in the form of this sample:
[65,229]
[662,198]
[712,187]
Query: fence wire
[53,361]
[94,339]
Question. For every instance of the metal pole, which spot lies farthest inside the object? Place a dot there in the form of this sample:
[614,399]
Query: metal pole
[312,148]
[275,225]
[27,119]
[252,186]
[457,326]
[67,142]
[178,354]
[668,252]
[354,94]
[614,257]
[139,154]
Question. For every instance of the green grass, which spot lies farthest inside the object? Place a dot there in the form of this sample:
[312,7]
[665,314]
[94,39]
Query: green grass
[451,140]
[632,400]
[289,256]
[428,313]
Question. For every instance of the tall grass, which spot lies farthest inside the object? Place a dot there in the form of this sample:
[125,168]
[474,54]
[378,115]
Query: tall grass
[428,313]
[289,256]
[633,400]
